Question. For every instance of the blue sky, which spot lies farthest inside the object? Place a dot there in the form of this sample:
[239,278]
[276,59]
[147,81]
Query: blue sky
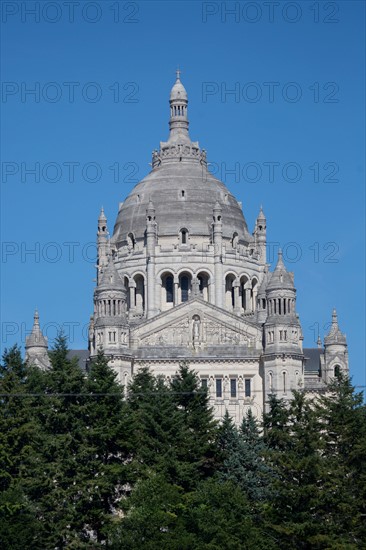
[290,136]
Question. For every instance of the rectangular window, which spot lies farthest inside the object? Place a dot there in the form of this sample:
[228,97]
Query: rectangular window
[233,387]
[218,387]
[204,383]
[247,387]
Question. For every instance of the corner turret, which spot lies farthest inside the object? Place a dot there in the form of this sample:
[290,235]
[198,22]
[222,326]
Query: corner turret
[283,357]
[335,351]
[36,346]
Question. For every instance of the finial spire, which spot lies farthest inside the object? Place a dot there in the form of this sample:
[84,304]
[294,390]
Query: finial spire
[335,335]
[178,111]
[334,317]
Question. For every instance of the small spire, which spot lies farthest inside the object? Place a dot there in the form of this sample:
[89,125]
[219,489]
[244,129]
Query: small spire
[280,263]
[36,338]
[217,206]
[261,215]
[177,72]
[335,336]
[102,215]
[150,205]
[334,317]
[319,342]
[280,277]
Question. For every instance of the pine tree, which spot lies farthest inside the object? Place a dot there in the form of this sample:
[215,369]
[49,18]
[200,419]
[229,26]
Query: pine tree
[157,427]
[19,527]
[258,475]
[197,447]
[52,483]
[107,440]
[243,458]
[298,488]
[343,437]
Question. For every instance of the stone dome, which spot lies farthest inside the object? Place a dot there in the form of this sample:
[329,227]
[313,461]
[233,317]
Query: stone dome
[178,91]
[181,188]
[184,195]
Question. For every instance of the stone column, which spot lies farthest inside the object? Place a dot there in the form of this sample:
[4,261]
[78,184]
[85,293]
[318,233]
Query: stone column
[131,288]
[248,299]
[217,238]
[150,260]
[176,291]
[237,306]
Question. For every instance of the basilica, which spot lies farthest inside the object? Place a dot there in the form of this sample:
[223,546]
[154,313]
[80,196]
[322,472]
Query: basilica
[182,279]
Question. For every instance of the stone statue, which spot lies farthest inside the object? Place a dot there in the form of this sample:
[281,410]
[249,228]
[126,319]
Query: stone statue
[196,328]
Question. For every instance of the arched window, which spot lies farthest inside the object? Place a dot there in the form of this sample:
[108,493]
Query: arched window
[284,381]
[140,293]
[169,288]
[183,236]
[229,292]
[203,288]
[244,293]
[184,287]
[337,371]
[270,381]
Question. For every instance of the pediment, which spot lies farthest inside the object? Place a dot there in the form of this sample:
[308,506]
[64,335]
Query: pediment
[197,324]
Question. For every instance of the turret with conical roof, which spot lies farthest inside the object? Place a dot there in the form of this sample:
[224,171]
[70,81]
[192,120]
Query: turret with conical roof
[109,325]
[283,357]
[335,351]
[36,346]
[282,320]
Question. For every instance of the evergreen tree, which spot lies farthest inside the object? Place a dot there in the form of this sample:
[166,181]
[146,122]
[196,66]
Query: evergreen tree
[107,441]
[343,437]
[19,527]
[157,427]
[53,480]
[197,447]
[214,516]
[150,517]
[243,454]
[297,504]
[258,476]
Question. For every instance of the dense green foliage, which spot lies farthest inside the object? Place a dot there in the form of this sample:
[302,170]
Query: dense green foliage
[86,463]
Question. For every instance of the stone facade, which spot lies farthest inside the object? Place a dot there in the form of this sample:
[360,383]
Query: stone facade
[183,279]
